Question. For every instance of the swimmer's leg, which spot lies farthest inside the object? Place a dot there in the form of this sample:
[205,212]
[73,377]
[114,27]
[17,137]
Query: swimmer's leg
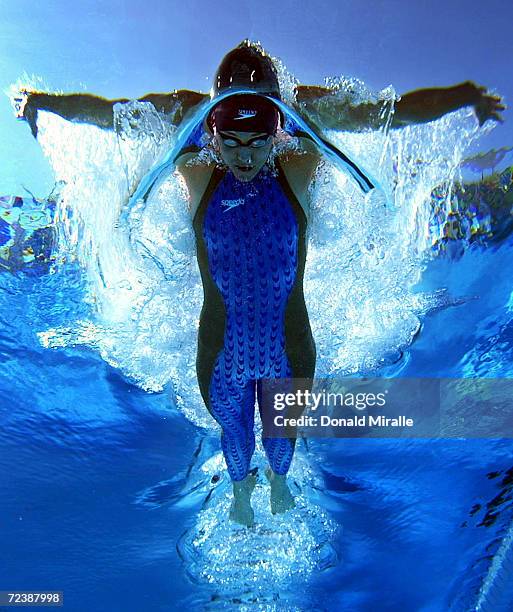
[232,404]
[279,453]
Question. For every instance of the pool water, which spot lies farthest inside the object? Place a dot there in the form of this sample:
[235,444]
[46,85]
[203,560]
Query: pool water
[108,490]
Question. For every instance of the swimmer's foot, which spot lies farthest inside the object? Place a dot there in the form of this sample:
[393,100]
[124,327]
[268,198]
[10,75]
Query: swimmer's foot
[281,497]
[241,511]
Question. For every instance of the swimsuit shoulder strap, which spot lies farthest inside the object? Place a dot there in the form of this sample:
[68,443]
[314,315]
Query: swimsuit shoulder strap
[216,177]
[287,190]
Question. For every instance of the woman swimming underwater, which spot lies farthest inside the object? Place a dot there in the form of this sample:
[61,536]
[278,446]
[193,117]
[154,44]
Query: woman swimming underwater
[250,216]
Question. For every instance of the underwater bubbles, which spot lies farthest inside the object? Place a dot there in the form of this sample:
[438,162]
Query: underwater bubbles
[261,564]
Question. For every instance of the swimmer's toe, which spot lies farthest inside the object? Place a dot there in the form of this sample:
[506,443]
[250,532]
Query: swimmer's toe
[281,501]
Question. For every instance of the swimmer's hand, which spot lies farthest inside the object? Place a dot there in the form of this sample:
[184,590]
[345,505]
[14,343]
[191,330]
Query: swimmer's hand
[24,110]
[18,102]
[486,106]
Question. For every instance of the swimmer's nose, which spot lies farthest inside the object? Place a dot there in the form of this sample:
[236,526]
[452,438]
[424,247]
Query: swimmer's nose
[244,157]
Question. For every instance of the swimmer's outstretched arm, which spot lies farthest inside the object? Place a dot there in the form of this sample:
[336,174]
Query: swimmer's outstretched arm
[423,105]
[327,110]
[95,110]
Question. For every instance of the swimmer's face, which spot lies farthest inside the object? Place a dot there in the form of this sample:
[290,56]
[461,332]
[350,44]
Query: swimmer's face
[244,153]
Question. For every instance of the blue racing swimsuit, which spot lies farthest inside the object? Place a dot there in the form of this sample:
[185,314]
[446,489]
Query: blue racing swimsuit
[251,246]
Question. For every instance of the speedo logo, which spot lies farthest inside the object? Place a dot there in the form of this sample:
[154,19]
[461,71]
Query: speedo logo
[246,114]
[232,203]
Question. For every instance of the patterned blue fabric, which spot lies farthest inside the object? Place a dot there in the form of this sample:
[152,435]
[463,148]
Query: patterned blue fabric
[251,235]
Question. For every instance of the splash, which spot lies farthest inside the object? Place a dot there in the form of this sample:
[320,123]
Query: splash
[270,561]
[376,255]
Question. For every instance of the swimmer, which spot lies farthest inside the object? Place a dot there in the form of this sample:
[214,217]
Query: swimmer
[250,216]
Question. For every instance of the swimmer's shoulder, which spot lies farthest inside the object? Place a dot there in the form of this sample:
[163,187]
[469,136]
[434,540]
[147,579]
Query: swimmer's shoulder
[196,176]
[299,166]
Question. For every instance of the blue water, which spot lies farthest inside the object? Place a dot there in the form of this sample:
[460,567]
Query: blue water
[105,489]
[101,483]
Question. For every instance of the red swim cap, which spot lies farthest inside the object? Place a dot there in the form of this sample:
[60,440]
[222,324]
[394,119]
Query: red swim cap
[244,113]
